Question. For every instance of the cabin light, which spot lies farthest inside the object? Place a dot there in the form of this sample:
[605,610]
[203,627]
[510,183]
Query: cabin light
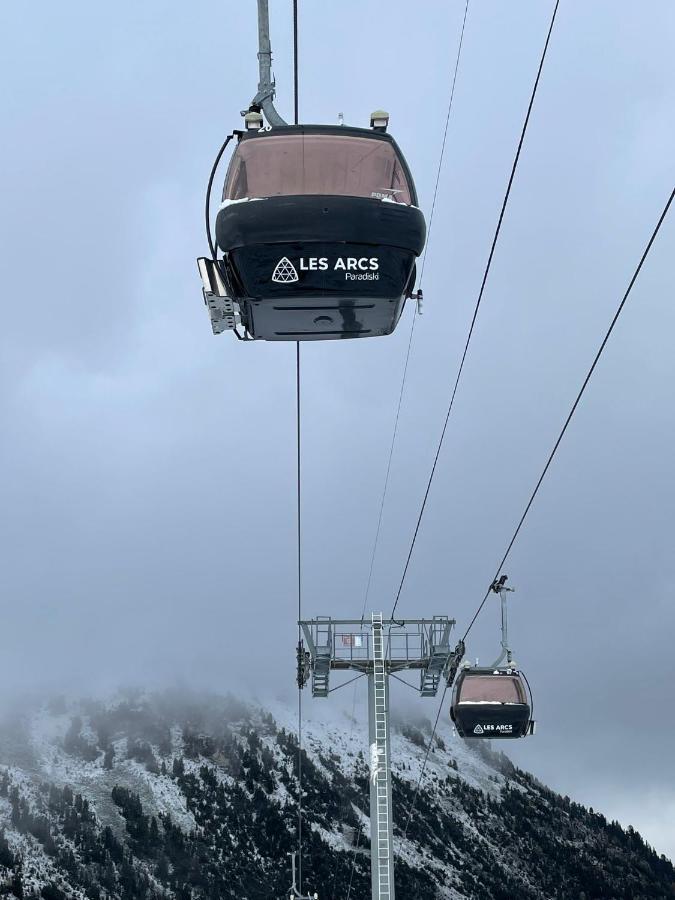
[379,120]
[253,120]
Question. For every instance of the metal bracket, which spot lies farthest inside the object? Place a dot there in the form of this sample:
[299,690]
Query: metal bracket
[304,665]
[454,662]
[294,893]
[223,310]
[418,297]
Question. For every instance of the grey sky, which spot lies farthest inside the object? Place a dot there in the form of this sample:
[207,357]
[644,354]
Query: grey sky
[147,468]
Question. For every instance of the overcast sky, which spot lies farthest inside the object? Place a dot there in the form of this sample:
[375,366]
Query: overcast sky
[147,468]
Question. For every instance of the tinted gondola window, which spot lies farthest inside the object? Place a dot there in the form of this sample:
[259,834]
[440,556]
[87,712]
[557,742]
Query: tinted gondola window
[287,165]
[492,689]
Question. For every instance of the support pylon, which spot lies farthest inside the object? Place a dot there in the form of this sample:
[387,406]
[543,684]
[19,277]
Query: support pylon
[386,647]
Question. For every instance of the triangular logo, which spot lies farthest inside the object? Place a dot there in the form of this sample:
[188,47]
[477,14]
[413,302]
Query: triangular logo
[284,272]
[478,729]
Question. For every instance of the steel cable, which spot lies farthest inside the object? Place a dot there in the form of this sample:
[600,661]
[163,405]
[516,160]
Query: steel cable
[424,764]
[299,481]
[456,385]
[405,368]
[574,406]
[477,307]
[543,474]
[414,318]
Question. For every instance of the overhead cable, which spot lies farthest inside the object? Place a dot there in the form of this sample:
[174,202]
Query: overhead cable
[298,480]
[477,307]
[574,406]
[456,385]
[414,316]
[545,470]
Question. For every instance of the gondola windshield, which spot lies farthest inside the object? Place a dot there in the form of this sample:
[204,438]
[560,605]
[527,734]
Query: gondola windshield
[326,164]
[491,689]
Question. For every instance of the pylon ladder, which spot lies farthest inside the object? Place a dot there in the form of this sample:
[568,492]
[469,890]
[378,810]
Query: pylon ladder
[380,836]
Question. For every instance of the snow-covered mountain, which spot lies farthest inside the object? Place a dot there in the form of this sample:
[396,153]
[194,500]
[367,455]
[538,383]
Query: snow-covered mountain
[186,796]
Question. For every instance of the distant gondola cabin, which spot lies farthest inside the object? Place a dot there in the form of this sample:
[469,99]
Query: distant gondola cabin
[491,703]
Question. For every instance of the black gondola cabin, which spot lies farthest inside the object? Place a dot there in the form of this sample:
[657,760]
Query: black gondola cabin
[319,231]
[492,704]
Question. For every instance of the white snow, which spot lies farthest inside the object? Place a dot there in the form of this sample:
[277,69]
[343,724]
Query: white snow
[331,737]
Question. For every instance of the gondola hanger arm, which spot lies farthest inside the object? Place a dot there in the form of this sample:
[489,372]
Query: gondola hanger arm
[499,587]
[264,99]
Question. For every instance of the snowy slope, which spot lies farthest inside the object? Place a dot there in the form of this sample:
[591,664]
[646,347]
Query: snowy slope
[175,795]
